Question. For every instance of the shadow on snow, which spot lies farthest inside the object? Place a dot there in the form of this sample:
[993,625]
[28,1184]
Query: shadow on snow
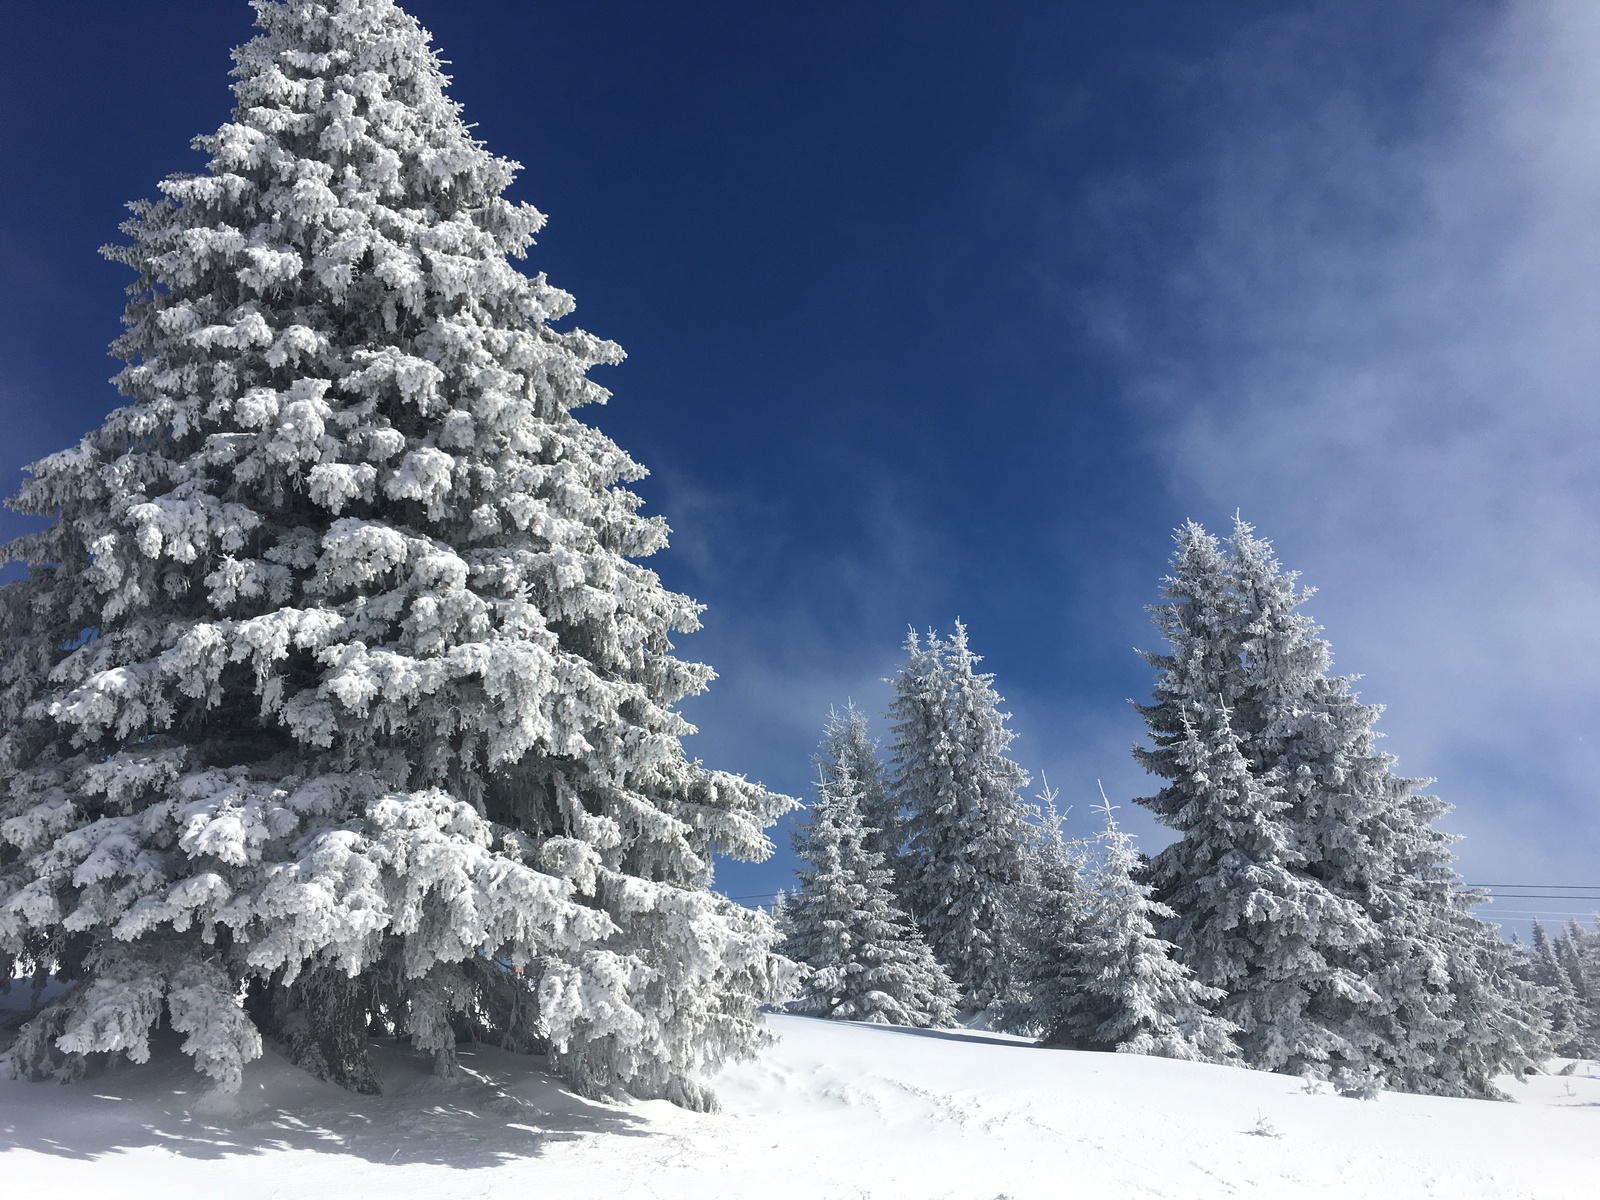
[502,1106]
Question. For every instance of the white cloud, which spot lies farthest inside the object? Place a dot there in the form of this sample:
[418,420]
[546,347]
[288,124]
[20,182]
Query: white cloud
[1394,370]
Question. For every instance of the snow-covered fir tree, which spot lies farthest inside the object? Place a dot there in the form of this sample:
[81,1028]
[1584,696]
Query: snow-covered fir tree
[848,748]
[1051,907]
[1370,836]
[1400,940]
[335,677]
[1247,919]
[1498,1026]
[1460,1013]
[1121,988]
[1352,818]
[866,959]
[966,826]
[778,911]
[1579,951]
[1561,1003]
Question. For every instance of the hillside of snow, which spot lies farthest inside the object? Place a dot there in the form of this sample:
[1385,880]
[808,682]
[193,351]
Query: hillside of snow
[832,1110]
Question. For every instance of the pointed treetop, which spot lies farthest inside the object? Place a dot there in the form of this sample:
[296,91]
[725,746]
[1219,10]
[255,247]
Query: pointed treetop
[1105,808]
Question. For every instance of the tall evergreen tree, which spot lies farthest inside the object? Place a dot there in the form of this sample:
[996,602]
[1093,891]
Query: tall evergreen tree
[336,667]
[1247,919]
[866,959]
[1052,909]
[966,826]
[1369,836]
[1362,830]
[1401,931]
[1561,1000]
[1579,951]
[1123,989]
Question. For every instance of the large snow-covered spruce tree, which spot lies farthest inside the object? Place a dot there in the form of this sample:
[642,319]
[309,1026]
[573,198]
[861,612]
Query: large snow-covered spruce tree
[967,829]
[1450,1013]
[334,679]
[1364,832]
[1248,918]
[1421,996]
[867,960]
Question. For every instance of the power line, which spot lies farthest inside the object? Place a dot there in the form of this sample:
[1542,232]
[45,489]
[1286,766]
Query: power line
[1554,887]
[1504,891]
[1471,887]
[1521,912]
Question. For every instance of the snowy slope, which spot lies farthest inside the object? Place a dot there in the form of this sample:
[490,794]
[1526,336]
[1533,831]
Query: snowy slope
[831,1111]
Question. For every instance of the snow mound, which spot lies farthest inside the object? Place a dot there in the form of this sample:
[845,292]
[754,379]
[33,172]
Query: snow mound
[833,1110]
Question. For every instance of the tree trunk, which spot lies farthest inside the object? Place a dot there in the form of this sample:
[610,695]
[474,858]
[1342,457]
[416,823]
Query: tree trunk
[322,1018]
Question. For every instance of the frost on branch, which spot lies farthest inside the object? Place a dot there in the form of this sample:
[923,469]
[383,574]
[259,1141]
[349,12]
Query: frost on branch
[335,694]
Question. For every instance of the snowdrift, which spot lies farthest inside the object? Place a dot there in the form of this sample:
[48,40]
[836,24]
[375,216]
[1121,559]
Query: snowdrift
[833,1110]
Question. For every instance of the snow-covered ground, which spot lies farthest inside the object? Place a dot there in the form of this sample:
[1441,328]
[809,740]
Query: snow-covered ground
[831,1111]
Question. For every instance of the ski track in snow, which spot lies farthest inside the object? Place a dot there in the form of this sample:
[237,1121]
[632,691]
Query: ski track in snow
[831,1112]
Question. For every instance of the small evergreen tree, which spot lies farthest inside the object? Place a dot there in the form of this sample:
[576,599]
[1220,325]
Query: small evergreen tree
[778,911]
[1498,1025]
[866,959]
[1561,997]
[966,827]
[1051,910]
[336,677]
[1571,945]
[1579,951]
[847,748]
[1124,990]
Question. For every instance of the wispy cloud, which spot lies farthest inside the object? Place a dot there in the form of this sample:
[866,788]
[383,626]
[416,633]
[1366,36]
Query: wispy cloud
[793,629]
[1383,344]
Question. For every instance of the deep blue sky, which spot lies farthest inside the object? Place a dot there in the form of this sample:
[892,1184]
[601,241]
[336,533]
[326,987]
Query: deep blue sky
[956,309]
